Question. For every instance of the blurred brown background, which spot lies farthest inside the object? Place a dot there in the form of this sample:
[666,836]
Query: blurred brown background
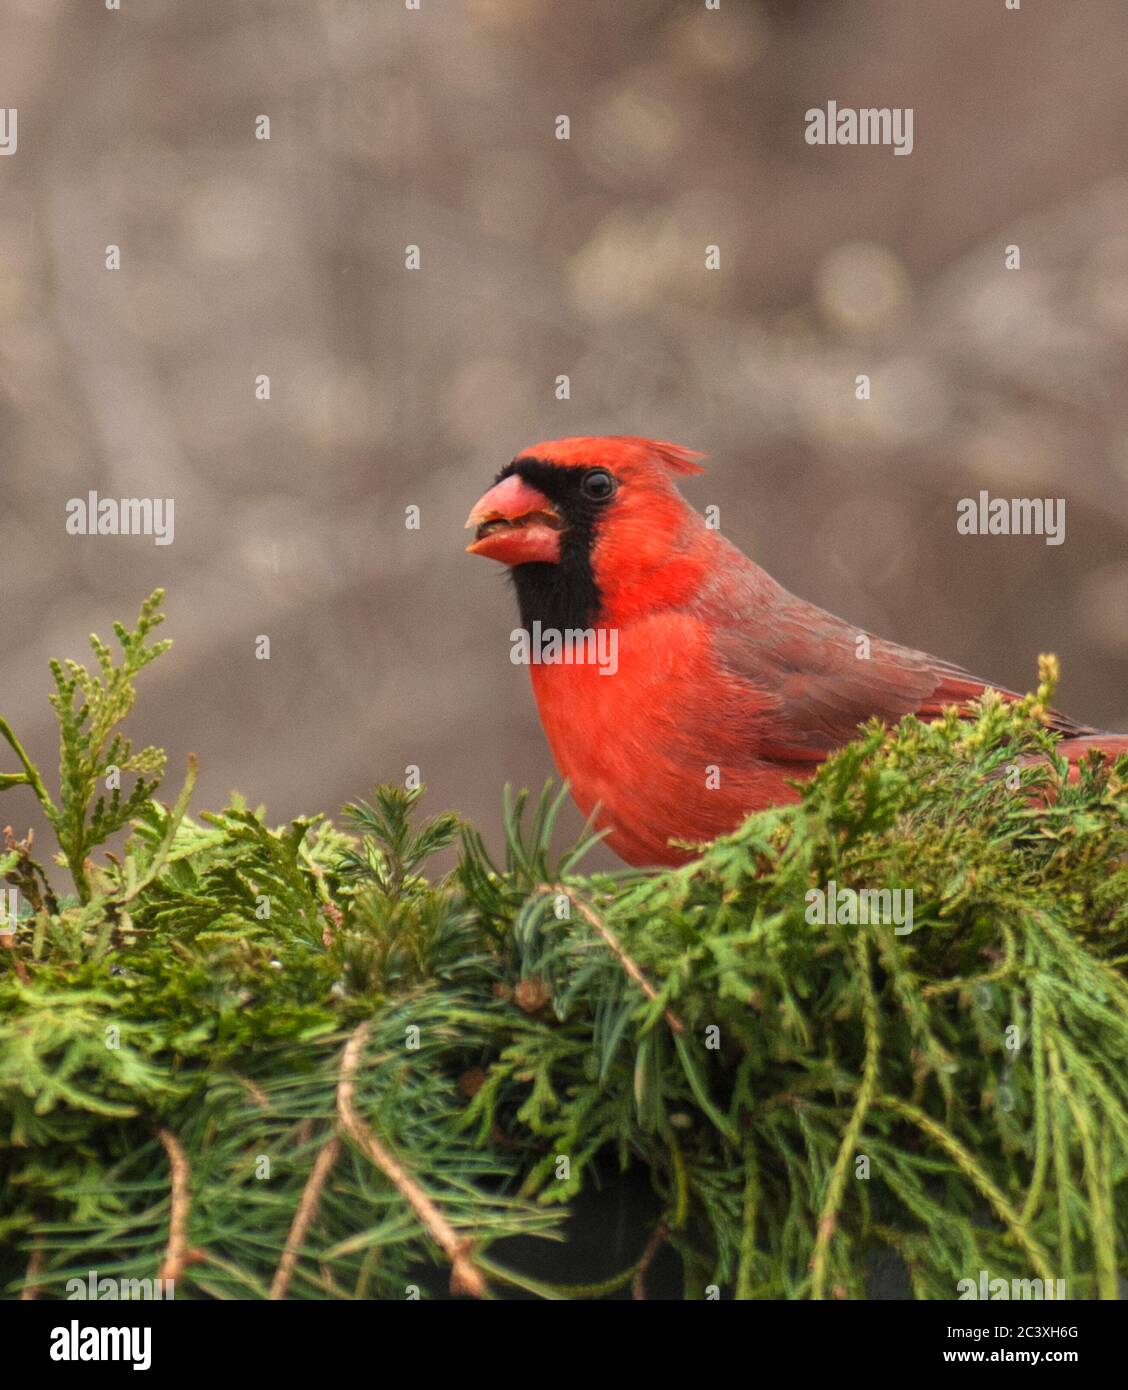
[542,257]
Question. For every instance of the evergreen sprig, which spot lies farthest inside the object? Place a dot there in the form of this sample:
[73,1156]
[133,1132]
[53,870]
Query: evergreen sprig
[88,707]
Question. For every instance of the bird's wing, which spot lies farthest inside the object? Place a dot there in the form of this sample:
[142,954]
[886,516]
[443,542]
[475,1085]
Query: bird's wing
[813,679]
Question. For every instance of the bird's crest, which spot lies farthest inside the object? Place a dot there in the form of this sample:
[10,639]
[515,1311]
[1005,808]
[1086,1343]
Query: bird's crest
[675,456]
[608,450]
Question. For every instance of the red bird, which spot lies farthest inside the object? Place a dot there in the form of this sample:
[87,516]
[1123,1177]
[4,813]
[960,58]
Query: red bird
[727,687]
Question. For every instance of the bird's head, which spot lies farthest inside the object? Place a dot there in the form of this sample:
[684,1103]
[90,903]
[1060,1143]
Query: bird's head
[587,525]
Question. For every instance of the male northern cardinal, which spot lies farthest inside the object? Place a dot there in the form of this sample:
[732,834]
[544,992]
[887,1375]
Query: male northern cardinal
[726,687]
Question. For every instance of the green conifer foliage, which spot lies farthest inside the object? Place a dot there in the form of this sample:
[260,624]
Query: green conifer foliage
[290,1062]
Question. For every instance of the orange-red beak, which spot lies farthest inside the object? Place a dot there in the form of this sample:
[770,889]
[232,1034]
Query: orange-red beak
[515,524]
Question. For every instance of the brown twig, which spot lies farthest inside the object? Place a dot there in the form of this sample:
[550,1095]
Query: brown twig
[31,1288]
[177,1252]
[330,1285]
[41,900]
[8,941]
[465,1276]
[304,1216]
[255,1091]
[653,1245]
[592,918]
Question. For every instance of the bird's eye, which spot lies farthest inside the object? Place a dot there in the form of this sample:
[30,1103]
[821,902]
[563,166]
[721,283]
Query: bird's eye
[598,485]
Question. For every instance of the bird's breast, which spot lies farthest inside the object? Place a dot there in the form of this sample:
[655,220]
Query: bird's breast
[659,737]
